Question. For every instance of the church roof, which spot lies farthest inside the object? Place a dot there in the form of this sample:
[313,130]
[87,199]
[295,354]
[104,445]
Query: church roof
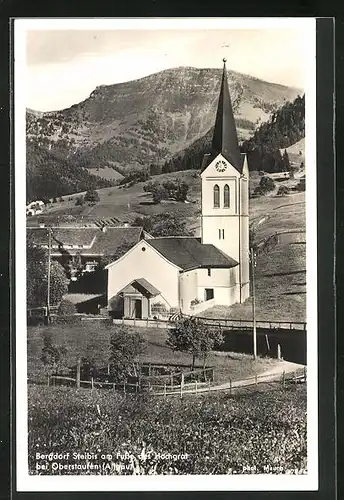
[141,285]
[190,253]
[225,138]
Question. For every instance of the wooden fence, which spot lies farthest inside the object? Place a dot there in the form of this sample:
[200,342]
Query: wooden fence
[241,324]
[228,323]
[41,311]
[184,388]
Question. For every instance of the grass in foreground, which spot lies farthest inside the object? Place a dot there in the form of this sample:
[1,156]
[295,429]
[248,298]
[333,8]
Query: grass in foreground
[215,434]
[92,340]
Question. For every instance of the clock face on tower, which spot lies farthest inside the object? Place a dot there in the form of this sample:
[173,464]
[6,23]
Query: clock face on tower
[221,166]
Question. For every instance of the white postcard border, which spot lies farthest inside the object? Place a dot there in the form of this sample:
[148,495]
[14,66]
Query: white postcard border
[26,482]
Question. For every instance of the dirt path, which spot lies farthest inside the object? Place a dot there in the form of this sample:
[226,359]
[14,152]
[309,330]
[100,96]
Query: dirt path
[274,373]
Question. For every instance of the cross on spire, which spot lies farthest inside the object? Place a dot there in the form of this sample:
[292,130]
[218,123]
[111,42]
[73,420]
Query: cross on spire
[225,139]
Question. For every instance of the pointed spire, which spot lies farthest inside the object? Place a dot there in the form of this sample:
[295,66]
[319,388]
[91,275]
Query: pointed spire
[225,139]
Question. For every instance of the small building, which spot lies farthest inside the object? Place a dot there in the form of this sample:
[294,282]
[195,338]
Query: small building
[84,246]
[279,176]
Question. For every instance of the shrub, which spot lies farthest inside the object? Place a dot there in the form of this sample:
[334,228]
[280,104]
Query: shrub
[125,346]
[53,357]
[266,184]
[79,201]
[194,302]
[66,308]
[91,196]
[301,186]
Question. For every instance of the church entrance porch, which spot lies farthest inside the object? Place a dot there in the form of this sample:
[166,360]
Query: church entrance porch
[135,306]
[136,299]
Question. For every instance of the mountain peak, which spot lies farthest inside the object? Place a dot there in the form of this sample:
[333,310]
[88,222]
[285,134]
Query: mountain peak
[134,124]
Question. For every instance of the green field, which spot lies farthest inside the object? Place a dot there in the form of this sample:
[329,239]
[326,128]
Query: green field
[91,339]
[126,203]
[106,173]
[212,434]
[281,269]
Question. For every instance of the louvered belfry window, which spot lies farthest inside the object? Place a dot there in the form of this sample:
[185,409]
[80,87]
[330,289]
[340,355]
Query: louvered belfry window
[216,196]
[226,197]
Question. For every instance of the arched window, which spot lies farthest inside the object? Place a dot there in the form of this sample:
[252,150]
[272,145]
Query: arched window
[226,197]
[216,196]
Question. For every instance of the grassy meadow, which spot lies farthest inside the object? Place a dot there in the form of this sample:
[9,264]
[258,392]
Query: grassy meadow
[91,339]
[259,432]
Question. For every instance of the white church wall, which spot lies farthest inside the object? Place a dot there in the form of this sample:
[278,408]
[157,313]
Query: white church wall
[194,283]
[214,277]
[148,264]
[188,289]
[227,241]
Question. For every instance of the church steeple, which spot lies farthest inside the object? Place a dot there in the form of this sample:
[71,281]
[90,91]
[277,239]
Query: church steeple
[225,139]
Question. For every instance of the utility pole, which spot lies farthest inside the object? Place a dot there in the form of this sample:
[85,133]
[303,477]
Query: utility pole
[49,269]
[253,265]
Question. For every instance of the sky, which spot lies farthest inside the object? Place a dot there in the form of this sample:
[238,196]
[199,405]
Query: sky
[64,66]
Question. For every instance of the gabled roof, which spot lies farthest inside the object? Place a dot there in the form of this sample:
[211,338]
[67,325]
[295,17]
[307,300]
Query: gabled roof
[190,253]
[141,285]
[93,240]
[225,138]
[62,235]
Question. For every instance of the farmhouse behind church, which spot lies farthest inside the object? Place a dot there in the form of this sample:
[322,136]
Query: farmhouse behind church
[191,274]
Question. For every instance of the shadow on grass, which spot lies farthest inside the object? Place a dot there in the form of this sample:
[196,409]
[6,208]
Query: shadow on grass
[283,274]
[149,203]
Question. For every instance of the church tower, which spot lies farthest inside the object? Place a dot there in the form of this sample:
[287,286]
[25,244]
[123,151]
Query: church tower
[225,218]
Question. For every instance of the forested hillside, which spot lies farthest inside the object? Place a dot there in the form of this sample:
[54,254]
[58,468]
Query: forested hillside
[285,127]
[49,176]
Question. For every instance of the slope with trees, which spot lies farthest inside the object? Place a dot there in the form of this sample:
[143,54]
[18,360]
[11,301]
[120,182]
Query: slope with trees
[285,127]
[50,176]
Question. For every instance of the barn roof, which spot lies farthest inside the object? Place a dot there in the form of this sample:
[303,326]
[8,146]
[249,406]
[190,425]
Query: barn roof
[86,240]
[190,253]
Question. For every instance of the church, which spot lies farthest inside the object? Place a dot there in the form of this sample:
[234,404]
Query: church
[165,275]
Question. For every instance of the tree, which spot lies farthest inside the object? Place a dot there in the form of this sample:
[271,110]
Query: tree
[154,169]
[37,278]
[301,186]
[125,346]
[91,196]
[285,161]
[191,335]
[266,184]
[79,201]
[164,224]
[175,189]
[283,190]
